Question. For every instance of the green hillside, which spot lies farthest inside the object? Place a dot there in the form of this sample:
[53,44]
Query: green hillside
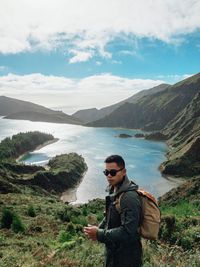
[172,115]
[38,229]
[184,139]
[153,112]
[90,115]
[50,233]
[64,171]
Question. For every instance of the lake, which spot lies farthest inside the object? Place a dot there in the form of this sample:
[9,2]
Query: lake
[142,157]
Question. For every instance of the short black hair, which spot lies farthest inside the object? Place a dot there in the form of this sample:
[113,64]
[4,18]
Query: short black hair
[117,159]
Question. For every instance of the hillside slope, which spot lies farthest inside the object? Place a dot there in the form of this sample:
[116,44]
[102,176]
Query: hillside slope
[155,111]
[89,115]
[184,139]
[12,108]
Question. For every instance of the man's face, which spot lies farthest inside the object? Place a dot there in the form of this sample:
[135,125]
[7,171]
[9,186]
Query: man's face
[115,180]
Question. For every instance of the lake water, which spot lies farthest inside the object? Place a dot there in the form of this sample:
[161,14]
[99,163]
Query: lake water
[142,157]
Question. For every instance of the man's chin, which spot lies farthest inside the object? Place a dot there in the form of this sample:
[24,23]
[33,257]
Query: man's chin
[112,183]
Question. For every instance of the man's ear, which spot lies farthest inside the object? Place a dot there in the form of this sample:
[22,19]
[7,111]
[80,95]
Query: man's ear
[124,171]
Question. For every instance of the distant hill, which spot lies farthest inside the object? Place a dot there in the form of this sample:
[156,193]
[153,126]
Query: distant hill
[12,108]
[93,114]
[153,112]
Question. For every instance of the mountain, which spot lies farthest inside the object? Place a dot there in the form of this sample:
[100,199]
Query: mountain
[89,115]
[12,108]
[173,115]
[184,137]
[186,124]
[153,112]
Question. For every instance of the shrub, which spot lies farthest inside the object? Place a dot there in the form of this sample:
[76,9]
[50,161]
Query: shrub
[64,215]
[92,219]
[79,228]
[17,225]
[186,242]
[31,211]
[70,228]
[84,211]
[68,245]
[7,218]
[190,237]
[80,220]
[1,239]
[64,236]
[167,227]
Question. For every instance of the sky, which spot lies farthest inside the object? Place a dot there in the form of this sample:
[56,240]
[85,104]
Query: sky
[78,54]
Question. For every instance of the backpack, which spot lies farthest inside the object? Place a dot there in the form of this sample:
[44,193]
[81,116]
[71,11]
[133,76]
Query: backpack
[150,217]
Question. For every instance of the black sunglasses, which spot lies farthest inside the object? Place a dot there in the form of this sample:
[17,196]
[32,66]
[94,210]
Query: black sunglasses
[112,172]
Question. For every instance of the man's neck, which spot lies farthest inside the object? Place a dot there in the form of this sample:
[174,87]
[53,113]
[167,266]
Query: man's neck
[118,185]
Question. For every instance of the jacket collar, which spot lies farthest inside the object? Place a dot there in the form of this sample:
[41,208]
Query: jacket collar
[124,186]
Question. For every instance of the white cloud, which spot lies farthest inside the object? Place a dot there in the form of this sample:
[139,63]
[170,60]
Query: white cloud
[80,56]
[93,91]
[88,26]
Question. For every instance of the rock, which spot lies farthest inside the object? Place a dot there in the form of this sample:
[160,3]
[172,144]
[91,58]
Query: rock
[123,135]
[139,135]
[157,136]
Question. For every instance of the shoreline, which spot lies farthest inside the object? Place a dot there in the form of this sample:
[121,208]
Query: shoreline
[37,148]
[69,195]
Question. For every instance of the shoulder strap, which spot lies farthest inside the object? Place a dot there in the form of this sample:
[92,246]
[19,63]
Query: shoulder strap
[118,207]
[117,202]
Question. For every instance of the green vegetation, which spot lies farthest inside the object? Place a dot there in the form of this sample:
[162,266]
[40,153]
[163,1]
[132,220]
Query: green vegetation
[54,237]
[31,211]
[11,220]
[11,148]
[37,229]
[7,218]
[182,209]
[17,225]
[65,171]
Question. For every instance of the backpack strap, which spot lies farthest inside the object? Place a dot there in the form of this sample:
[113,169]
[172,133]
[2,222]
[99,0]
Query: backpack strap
[118,207]
[117,202]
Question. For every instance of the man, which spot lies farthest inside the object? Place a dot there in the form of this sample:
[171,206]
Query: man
[119,230]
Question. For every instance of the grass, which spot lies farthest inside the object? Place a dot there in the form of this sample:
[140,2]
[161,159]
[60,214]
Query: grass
[183,209]
[54,236]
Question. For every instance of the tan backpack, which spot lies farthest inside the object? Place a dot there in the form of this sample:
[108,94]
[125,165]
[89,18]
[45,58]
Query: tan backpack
[151,216]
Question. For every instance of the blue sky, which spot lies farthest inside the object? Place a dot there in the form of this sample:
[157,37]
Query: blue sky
[152,59]
[94,53]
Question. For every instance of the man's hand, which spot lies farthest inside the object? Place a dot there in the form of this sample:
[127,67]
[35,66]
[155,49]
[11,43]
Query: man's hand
[91,232]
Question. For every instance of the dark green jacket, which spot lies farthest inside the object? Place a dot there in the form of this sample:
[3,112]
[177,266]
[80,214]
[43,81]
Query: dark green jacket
[118,231]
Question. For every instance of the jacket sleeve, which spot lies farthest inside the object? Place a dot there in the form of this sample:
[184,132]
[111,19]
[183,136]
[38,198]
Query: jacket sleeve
[130,218]
[102,224]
